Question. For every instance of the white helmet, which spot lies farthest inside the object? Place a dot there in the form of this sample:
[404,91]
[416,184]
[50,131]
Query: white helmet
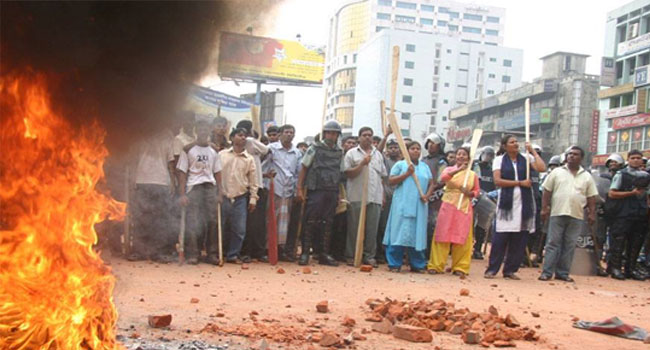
[616,158]
[436,139]
[537,148]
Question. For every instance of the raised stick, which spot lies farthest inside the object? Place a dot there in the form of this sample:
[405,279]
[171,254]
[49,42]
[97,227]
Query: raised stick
[393,121]
[382,108]
[527,121]
[272,227]
[180,246]
[255,118]
[220,234]
[476,138]
[361,228]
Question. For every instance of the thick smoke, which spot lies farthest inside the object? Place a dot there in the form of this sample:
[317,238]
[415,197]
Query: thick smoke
[128,64]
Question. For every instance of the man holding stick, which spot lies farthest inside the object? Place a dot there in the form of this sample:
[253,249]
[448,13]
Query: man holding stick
[354,166]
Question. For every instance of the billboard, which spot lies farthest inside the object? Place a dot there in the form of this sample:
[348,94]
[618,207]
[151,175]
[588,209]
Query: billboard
[607,72]
[250,57]
[207,104]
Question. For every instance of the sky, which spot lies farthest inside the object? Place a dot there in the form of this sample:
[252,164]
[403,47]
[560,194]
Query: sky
[537,27]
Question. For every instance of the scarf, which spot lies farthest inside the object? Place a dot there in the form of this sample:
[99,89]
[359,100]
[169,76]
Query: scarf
[505,200]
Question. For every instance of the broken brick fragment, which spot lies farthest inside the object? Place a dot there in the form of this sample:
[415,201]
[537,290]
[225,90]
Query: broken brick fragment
[464,292]
[471,337]
[329,339]
[194,301]
[365,268]
[412,333]
[385,327]
[159,321]
[280,270]
[511,321]
[322,306]
[348,322]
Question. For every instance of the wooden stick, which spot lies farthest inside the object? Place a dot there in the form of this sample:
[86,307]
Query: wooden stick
[255,118]
[361,228]
[382,108]
[393,121]
[180,247]
[220,234]
[272,227]
[527,121]
[476,138]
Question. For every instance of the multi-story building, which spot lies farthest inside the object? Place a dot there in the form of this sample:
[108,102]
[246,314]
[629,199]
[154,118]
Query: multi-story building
[358,20]
[563,102]
[436,72]
[624,122]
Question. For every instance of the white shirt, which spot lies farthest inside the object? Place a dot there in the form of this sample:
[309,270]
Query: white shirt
[513,225]
[377,171]
[155,154]
[181,140]
[200,164]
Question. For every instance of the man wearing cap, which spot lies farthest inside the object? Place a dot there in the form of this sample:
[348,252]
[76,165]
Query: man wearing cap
[320,174]
[629,190]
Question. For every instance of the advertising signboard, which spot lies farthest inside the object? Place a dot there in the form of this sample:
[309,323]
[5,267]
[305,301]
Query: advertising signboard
[250,57]
[207,104]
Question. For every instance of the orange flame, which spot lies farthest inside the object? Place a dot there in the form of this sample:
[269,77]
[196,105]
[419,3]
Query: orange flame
[55,291]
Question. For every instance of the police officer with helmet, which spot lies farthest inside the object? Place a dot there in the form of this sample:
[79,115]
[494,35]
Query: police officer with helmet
[320,174]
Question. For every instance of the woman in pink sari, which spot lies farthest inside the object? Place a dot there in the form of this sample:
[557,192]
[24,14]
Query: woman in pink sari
[454,227]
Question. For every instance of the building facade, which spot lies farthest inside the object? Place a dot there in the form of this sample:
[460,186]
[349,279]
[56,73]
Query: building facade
[357,21]
[271,107]
[436,72]
[624,122]
[563,103]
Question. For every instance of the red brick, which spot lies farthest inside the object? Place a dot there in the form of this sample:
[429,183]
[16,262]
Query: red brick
[464,292]
[534,314]
[413,334]
[504,344]
[511,321]
[436,325]
[457,328]
[374,318]
[365,268]
[395,310]
[348,322]
[306,270]
[385,327]
[322,307]
[471,337]
[194,301]
[280,270]
[493,310]
[159,321]
[329,339]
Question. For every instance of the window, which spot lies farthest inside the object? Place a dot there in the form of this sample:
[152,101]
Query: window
[453,14]
[491,44]
[491,19]
[406,5]
[492,32]
[442,23]
[426,8]
[345,59]
[426,21]
[462,70]
[410,48]
[507,63]
[448,50]
[407,98]
[471,30]
[505,79]
[446,84]
[435,87]
[493,59]
[472,17]
[409,64]
[385,2]
[404,19]
[406,116]
[408,82]
[465,53]
[492,75]
[452,28]
[379,29]
[443,10]
[383,16]
[471,41]
[637,138]
[354,58]
[434,102]
[406,132]
[445,101]
[447,68]
[490,92]
[567,63]
[435,70]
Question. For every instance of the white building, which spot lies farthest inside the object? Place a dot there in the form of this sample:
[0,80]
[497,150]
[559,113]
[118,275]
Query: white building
[436,73]
[357,21]
[624,121]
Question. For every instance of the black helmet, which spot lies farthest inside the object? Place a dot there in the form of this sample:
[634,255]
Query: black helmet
[332,125]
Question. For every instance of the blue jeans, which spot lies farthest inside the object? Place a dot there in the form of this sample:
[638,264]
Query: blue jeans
[233,222]
[563,233]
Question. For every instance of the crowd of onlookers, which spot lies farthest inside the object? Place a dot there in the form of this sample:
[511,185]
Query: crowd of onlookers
[420,208]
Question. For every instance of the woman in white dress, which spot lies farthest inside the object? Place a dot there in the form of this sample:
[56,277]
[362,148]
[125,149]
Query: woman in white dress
[515,217]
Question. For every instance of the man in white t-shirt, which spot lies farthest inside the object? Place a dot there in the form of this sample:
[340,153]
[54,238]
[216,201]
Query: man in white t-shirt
[152,237]
[200,181]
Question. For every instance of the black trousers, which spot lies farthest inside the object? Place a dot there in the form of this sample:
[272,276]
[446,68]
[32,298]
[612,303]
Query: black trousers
[320,209]
[154,233]
[255,241]
[626,234]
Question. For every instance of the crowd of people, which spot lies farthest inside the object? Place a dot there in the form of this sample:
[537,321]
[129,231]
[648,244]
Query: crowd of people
[418,210]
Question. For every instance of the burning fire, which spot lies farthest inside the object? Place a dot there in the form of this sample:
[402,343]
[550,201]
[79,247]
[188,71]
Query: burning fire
[55,291]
